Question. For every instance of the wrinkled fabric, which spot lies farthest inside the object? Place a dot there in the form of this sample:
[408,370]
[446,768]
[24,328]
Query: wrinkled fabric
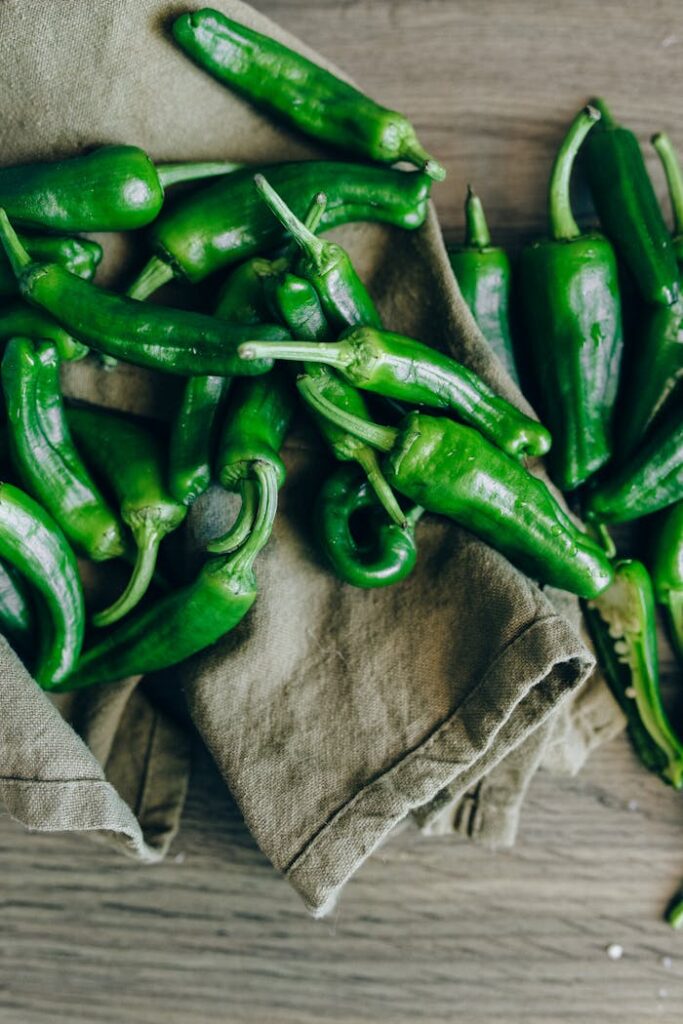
[332,714]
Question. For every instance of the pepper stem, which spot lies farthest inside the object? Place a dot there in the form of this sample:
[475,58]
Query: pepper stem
[606,115]
[330,353]
[367,460]
[267,486]
[382,438]
[477,234]
[173,174]
[235,537]
[563,227]
[18,258]
[312,246]
[674,177]
[148,538]
[154,273]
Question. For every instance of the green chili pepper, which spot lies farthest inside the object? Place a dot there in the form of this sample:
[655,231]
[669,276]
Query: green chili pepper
[452,470]
[626,611]
[667,571]
[344,297]
[147,335]
[300,308]
[674,913]
[402,368]
[34,545]
[651,479]
[227,222]
[628,208]
[188,620]
[77,255]
[252,435]
[384,554]
[655,365]
[18,319]
[113,188]
[133,462]
[44,453]
[284,83]
[17,614]
[189,472]
[572,315]
[483,273]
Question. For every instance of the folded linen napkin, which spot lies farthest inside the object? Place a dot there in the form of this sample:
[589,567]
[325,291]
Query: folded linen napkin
[331,713]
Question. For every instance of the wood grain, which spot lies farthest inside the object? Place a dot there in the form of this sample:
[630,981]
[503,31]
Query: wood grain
[430,930]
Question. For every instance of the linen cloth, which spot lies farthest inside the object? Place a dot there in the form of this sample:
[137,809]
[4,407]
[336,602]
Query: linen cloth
[331,713]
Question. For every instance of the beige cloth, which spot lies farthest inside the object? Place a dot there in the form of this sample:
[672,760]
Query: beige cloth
[332,713]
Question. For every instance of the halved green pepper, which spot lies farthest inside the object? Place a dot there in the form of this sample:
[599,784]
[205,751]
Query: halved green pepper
[624,616]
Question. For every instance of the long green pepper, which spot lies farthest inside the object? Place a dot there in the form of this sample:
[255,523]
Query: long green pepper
[171,340]
[448,468]
[77,255]
[283,82]
[44,453]
[398,367]
[227,222]
[572,315]
[33,544]
[628,209]
[132,460]
[17,613]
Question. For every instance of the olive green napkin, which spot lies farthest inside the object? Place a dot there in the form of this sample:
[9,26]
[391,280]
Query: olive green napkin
[331,713]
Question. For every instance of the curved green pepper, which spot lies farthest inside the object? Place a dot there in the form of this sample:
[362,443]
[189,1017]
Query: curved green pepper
[18,319]
[17,614]
[281,81]
[448,468]
[192,429]
[248,448]
[402,368]
[77,255]
[187,620]
[133,462]
[628,208]
[654,368]
[32,542]
[651,479]
[173,340]
[344,297]
[385,554]
[299,306]
[572,315]
[44,454]
[623,618]
[113,188]
[227,222]
[483,273]
[667,571]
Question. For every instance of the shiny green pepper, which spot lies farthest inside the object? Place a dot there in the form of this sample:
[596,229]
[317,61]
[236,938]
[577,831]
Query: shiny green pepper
[303,94]
[448,468]
[483,273]
[572,315]
[77,255]
[667,570]
[379,556]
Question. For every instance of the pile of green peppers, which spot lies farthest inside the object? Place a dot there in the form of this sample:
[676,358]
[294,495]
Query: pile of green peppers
[293,328]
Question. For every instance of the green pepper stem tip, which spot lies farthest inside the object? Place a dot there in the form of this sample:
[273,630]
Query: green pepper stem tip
[17,255]
[380,437]
[563,226]
[301,234]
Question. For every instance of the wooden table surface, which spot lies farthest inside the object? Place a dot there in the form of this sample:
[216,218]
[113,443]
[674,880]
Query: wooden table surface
[430,930]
